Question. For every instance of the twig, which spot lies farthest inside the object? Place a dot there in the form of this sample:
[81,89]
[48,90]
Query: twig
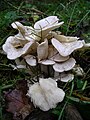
[70,19]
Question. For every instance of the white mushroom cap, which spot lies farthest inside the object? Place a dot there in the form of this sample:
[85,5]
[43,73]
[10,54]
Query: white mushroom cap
[45,94]
[53,94]
[42,50]
[63,38]
[51,51]
[48,82]
[37,97]
[20,64]
[55,56]
[59,58]
[47,62]
[85,44]
[25,32]
[66,77]
[45,25]
[66,49]
[12,51]
[19,26]
[31,60]
[78,70]
[65,66]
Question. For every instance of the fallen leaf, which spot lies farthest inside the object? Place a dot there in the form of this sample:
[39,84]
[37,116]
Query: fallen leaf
[72,113]
[18,102]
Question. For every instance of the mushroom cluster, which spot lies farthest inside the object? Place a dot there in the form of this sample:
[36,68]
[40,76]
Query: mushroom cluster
[41,45]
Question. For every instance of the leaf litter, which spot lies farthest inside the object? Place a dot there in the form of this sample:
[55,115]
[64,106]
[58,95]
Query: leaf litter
[17,102]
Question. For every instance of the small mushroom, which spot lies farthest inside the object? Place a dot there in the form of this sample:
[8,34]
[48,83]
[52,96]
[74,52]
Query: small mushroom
[20,64]
[42,50]
[78,70]
[66,49]
[47,62]
[65,66]
[85,44]
[31,60]
[66,77]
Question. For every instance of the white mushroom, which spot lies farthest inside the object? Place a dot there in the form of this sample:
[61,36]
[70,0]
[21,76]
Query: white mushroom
[45,25]
[59,58]
[51,51]
[85,44]
[20,64]
[47,62]
[15,48]
[66,49]
[25,32]
[55,56]
[45,94]
[66,77]
[31,60]
[63,38]
[78,70]
[42,50]
[65,66]
[17,25]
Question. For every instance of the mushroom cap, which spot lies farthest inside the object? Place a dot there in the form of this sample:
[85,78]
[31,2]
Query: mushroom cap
[47,62]
[51,51]
[66,77]
[55,56]
[17,25]
[50,22]
[45,94]
[63,38]
[48,83]
[37,97]
[11,47]
[53,94]
[78,70]
[45,25]
[20,64]
[65,66]
[42,50]
[66,49]
[85,44]
[31,60]
[25,32]
[59,58]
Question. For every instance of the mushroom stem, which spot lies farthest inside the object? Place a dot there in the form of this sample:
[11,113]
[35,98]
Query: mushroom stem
[37,69]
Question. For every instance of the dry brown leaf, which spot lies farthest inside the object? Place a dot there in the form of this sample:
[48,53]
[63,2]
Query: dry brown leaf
[18,102]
